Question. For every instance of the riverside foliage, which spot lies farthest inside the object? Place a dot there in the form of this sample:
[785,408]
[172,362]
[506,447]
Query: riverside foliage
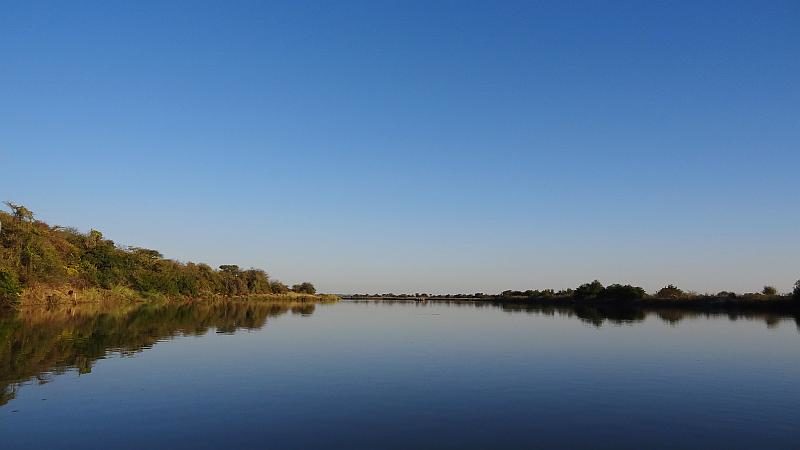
[596,292]
[33,253]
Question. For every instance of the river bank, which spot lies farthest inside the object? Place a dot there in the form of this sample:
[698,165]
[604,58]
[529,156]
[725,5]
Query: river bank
[745,303]
[51,296]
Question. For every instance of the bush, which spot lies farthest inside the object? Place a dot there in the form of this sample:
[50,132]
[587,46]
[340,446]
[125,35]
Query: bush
[622,293]
[589,290]
[304,288]
[278,288]
[51,255]
[10,287]
[670,291]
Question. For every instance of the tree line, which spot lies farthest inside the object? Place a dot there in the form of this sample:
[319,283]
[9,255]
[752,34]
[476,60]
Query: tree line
[596,291]
[33,253]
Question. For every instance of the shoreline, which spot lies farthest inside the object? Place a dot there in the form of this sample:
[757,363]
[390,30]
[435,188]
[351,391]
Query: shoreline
[780,304]
[49,297]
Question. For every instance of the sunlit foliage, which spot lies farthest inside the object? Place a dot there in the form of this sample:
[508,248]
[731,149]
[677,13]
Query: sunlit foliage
[33,253]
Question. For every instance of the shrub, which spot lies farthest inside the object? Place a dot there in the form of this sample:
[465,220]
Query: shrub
[670,291]
[10,287]
[52,255]
[278,288]
[305,288]
[510,293]
[589,290]
[622,293]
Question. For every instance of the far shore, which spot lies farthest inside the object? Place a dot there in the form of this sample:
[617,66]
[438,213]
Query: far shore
[749,302]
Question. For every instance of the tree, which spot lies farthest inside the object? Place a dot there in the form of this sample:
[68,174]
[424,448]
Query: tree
[33,253]
[796,292]
[257,281]
[589,290]
[619,292]
[305,288]
[20,213]
[146,254]
[232,269]
[9,287]
[769,290]
[277,287]
[232,280]
[670,291]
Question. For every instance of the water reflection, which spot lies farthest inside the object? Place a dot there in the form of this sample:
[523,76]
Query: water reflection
[37,344]
[384,374]
[601,314]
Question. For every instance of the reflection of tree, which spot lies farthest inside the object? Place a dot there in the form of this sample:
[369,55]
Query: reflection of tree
[599,313]
[616,314]
[40,343]
[671,316]
[772,320]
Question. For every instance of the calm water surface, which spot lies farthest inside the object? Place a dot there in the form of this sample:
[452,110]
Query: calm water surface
[403,375]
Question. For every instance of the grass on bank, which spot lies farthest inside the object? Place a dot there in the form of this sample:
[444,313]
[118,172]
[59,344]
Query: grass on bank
[49,296]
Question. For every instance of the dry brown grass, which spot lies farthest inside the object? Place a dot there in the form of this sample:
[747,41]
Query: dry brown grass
[52,296]
[42,295]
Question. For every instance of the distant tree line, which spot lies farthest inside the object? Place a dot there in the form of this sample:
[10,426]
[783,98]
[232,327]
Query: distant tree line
[595,291]
[35,253]
[587,291]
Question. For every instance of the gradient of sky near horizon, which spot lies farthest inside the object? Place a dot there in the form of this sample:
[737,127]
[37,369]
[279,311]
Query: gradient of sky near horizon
[445,146]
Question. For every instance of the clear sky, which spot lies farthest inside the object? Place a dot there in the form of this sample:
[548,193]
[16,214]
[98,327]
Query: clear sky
[417,146]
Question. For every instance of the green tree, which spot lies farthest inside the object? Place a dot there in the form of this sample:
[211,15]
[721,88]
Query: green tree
[796,292]
[769,290]
[9,287]
[232,280]
[34,253]
[257,281]
[232,269]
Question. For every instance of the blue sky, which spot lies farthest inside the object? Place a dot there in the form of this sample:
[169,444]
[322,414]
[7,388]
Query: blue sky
[417,146]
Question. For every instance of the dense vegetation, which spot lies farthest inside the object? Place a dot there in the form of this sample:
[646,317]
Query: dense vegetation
[33,253]
[595,292]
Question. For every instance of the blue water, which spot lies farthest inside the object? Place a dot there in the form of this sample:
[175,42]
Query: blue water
[409,375]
